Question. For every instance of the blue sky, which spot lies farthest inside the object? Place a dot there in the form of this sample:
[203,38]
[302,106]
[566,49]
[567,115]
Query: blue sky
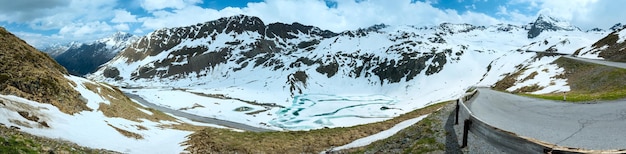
[44,22]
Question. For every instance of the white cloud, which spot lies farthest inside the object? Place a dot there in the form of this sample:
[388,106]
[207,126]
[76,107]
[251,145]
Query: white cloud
[152,5]
[122,16]
[83,29]
[473,6]
[585,14]
[121,27]
[350,15]
[38,40]
[85,20]
[514,16]
[26,10]
[138,31]
[347,15]
[181,17]
[74,11]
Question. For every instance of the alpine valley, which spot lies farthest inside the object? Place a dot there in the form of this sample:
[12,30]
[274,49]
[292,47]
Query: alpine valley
[160,91]
[297,77]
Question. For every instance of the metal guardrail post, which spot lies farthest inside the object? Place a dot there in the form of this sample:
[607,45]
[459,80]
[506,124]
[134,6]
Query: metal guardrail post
[466,127]
[456,119]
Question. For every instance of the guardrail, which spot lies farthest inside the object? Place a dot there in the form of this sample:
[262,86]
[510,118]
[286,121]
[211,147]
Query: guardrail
[506,140]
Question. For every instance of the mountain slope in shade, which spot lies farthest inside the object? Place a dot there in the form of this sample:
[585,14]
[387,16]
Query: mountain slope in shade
[83,58]
[384,70]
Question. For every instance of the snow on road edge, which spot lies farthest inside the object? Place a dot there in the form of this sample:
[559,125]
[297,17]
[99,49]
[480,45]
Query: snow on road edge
[380,135]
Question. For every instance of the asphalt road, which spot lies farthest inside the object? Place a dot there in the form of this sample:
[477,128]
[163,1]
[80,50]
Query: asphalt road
[197,118]
[600,126]
[601,62]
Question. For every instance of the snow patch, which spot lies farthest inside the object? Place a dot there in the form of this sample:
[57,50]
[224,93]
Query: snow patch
[380,135]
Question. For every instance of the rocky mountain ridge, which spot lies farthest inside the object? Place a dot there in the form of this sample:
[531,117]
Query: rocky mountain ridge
[547,23]
[292,59]
[84,58]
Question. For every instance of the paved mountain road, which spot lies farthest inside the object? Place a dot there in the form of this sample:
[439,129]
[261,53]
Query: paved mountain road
[599,61]
[197,118]
[600,126]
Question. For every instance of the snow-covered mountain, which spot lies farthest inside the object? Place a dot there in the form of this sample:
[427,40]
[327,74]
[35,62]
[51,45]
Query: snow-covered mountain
[617,27]
[405,67]
[58,49]
[547,23]
[83,58]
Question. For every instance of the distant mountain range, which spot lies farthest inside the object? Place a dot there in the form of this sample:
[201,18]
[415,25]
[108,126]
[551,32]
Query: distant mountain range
[84,58]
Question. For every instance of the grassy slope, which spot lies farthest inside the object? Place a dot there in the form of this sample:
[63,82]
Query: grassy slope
[616,51]
[31,74]
[590,81]
[424,137]
[212,140]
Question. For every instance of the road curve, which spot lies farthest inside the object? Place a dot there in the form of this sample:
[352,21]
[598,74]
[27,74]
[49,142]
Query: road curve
[599,61]
[197,118]
[597,126]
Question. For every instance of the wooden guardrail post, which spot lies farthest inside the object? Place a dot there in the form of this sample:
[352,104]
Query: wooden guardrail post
[466,127]
[456,119]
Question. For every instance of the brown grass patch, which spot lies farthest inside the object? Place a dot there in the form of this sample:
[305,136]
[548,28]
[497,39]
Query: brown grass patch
[184,127]
[28,116]
[589,81]
[616,51]
[213,140]
[127,133]
[20,123]
[122,107]
[509,79]
[140,127]
[31,74]
[526,89]
[33,118]
[530,76]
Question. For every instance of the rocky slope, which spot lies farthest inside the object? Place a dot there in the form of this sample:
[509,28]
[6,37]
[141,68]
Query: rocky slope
[83,58]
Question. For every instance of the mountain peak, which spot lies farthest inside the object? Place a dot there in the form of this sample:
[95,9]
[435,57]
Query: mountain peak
[236,23]
[617,27]
[244,19]
[117,38]
[548,23]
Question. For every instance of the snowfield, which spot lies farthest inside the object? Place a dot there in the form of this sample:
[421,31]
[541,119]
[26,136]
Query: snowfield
[92,128]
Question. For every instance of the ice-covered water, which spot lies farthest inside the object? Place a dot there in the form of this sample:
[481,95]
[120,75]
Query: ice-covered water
[311,111]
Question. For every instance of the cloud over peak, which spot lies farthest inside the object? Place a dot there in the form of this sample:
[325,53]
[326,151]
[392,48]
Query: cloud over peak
[72,20]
